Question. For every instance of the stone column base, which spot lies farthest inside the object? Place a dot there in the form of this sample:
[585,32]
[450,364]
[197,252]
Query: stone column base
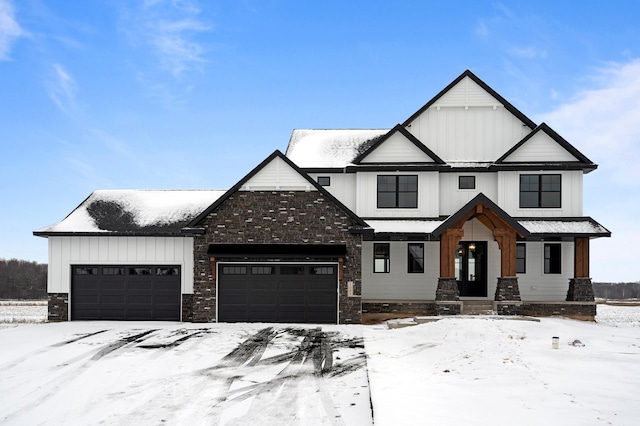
[508,307]
[507,289]
[580,290]
[58,307]
[448,308]
[447,290]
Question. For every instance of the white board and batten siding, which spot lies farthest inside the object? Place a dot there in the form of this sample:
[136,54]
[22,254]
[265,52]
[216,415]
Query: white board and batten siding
[468,124]
[540,148]
[279,176]
[535,285]
[66,251]
[397,149]
[571,195]
[452,198]
[343,187]
[367,195]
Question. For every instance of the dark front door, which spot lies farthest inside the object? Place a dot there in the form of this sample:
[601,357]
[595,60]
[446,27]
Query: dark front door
[471,268]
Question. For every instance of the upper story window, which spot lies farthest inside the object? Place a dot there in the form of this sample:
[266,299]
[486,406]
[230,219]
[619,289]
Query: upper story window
[466,182]
[540,191]
[324,180]
[398,191]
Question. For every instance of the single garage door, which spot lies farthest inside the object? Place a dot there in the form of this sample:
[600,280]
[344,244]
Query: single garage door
[149,293]
[298,293]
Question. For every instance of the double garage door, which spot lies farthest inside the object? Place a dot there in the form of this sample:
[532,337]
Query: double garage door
[147,293]
[273,292]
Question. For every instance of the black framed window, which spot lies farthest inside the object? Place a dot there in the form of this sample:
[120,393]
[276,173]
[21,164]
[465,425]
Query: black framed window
[381,257]
[234,270]
[262,270]
[540,191]
[398,191]
[324,180]
[466,182]
[552,259]
[521,258]
[415,256]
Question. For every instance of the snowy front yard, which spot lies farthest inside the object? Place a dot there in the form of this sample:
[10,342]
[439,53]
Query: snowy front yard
[463,370]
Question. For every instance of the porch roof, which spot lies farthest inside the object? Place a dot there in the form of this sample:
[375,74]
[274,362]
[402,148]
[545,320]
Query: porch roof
[537,227]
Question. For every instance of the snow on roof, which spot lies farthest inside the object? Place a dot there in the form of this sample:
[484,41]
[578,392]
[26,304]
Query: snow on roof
[586,226]
[404,226]
[135,210]
[331,147]
[463,164]
[563,227]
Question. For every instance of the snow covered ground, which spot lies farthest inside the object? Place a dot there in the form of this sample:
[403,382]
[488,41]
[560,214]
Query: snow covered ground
[458,370]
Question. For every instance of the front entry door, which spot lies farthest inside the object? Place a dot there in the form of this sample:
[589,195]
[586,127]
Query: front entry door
[471,268]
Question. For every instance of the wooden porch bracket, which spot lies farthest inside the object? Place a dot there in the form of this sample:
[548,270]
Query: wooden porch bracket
[506,239]
[449,241]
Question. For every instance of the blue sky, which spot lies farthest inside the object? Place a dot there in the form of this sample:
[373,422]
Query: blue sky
[178,94]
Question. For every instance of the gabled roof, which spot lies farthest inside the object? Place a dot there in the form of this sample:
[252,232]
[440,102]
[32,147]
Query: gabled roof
[404,132]
[468,209]
[543,127]
[193,225]
[133,212]
[513,110]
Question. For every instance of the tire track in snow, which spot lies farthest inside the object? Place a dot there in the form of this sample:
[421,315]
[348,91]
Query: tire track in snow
[52,387]
[47,349]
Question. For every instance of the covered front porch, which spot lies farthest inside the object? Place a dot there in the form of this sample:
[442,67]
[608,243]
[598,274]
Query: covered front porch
[481,260]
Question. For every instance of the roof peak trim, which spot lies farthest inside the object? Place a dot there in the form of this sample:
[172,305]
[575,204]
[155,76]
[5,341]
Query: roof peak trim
[544,127]
[398,128]
[508,106]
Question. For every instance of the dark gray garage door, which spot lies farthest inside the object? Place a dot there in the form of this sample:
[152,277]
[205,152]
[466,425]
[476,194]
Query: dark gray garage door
[278,293]
[150,293]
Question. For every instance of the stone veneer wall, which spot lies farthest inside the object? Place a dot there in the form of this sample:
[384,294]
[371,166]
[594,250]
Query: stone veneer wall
[187,307]
[277,217]
[578,310]
[58,307]
[396,307]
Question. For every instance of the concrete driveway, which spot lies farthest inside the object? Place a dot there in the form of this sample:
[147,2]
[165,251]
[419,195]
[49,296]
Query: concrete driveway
[167,373]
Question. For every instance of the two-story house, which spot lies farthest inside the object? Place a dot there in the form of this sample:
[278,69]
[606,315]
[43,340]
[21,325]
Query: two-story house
[466,202]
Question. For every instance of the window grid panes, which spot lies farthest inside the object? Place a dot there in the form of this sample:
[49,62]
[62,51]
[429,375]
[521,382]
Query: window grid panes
[86,271]
[321,270]
[381,258]
[398,191]
[415,254]
[167,271]
[521,258]
[540,191]
[234,270]
[113,271]
[262,270]
[139,271]
[552,259]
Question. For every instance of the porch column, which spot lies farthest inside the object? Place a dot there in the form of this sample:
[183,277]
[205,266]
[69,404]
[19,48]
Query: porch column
[580,286]
[447,295]
[507,297]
